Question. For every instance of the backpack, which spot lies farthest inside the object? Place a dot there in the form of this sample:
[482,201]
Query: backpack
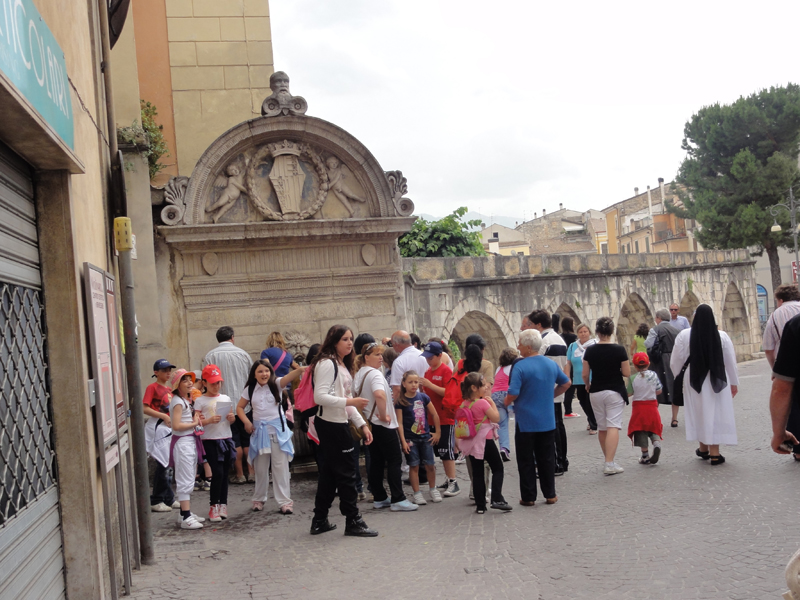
[304,394]
[452,398]
[465,425]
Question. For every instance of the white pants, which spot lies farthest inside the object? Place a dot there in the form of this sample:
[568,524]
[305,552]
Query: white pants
[184,455]
[280,476]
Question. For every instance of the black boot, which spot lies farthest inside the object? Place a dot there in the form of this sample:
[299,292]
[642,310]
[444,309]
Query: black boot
[357,527]
[318,527]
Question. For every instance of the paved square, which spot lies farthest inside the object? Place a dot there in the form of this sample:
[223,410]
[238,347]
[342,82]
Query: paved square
[680,529]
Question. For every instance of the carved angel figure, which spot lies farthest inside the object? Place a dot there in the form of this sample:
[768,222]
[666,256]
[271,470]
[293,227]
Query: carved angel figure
[232,187]
[338,186]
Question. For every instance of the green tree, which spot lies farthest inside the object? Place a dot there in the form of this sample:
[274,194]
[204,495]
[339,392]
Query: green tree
[741,159]
[449,236]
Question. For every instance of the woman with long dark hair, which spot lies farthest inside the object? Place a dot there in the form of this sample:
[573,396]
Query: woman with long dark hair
[333,382]
[710,383]
[568,335]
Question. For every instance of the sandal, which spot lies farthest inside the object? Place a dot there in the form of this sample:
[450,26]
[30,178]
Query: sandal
[593,432]
[704,455]
[674,423]
[717,460]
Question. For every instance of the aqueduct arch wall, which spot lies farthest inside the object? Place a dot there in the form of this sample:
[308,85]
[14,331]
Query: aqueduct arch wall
[440,293]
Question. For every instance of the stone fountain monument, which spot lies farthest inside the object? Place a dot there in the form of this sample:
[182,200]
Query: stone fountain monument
[288,223]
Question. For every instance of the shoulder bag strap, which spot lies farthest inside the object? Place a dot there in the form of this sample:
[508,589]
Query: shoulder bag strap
[280,360]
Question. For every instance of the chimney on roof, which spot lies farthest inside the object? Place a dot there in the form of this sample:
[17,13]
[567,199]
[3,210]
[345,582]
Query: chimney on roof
[663,197]
[483,225]
[560,206]
[544,211]
[535,215]
[635,191]
[649,201]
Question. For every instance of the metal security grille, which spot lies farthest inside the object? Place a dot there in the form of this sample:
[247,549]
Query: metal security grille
[26,449]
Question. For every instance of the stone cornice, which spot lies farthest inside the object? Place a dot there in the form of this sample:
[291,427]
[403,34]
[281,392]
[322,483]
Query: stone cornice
[198,237]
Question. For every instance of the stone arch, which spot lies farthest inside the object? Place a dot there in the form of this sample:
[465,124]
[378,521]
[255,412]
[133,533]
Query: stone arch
[478,322]
[633,312]
[484,317]
[734,317]
[688,305]
[565,310]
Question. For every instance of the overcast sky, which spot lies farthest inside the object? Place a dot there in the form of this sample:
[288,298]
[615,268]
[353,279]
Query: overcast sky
[511,107]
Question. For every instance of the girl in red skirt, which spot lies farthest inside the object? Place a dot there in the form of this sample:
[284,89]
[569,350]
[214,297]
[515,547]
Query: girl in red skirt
[645,423]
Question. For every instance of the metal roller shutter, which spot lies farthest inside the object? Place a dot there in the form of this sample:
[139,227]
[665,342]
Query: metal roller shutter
[31,557]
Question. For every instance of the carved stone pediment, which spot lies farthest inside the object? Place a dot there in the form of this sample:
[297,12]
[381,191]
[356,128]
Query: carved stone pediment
[286,166]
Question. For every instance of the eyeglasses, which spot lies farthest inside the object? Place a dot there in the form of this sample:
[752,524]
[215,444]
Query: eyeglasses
[673,310]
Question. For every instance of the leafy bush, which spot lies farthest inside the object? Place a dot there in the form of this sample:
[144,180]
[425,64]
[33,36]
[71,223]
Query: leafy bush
[449,236]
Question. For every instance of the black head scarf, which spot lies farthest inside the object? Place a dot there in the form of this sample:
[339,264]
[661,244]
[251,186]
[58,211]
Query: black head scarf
[705,348]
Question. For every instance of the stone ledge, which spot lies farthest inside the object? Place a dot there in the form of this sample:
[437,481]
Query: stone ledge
[453,270]
[201,235]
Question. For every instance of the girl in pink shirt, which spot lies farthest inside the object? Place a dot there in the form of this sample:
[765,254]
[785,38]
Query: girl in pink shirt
[475,391]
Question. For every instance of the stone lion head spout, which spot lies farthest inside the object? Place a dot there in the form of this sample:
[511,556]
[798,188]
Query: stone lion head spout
[281,101]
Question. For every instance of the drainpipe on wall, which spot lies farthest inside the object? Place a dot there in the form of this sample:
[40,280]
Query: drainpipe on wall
[649,201]
[119,209]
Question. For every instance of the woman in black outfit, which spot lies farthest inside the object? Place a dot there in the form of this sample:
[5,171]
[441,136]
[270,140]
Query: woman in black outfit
[568,335]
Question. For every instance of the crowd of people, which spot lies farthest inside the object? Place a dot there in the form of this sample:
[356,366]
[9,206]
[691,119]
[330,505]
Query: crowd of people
[403,402]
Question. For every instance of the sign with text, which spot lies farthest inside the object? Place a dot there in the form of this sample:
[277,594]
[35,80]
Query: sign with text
[32,60]
[99,338]
[116,355]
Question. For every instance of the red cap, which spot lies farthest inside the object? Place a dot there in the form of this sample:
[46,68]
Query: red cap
[212,374]
[640,359]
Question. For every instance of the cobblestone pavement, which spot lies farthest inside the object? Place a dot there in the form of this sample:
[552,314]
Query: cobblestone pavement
[680,529]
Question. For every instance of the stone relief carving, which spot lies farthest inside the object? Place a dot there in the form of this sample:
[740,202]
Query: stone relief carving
[174,192]
[297,343]
[227,189]
[399,187]
[281,102]
[337,185]
[282,178]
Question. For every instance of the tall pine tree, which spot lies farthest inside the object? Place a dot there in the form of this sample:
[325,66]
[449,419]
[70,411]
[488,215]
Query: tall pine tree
[741,159]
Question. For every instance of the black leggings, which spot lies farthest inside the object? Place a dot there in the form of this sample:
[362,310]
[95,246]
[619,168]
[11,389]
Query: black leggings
[586,405]
[491,455]
[219,473]
[568,396]
[385,450]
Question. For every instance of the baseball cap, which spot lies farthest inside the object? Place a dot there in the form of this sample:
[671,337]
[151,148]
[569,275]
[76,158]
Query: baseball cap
[640,359]
[178,375]
[212,374]
[432,349]
[162,363]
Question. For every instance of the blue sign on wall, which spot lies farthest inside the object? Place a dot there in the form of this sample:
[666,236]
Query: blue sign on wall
[33,61]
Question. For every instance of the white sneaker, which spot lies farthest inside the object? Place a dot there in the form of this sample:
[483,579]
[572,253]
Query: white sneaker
[612,469]
[197,518]
[176,505]
[191,523]
[160,507]
[418,499]
[452,489]
[436,495]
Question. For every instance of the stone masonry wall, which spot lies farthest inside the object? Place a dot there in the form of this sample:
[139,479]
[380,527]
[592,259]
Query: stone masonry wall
[494,293]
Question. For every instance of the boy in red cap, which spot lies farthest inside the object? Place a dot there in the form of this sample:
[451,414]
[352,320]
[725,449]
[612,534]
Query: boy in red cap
[216,417]
[156,406]
[645,424]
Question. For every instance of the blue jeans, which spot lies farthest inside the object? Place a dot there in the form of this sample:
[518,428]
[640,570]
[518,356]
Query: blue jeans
[505,439]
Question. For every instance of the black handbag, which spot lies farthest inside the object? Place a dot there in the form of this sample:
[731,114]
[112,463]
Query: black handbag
[677,386]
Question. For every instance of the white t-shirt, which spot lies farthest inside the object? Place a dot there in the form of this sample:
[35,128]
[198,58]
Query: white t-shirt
[645,384]
[410,359]
[186,414]
[373,381]
[208,407]
[263,401]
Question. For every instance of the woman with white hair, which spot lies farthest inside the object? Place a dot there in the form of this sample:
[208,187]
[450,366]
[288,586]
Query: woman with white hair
[533,384]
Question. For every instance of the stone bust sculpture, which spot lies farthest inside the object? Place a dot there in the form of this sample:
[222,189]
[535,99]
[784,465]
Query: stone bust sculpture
[281,102]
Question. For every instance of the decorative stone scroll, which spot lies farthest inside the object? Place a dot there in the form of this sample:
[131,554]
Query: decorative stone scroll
[174,191]
[399,188]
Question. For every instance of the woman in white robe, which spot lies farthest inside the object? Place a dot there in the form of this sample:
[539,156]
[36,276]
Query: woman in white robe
[708,394]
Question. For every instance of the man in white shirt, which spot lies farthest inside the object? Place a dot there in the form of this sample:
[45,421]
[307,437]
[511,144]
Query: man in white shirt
[235,365]
[679,322]
[554,348]
[408,359]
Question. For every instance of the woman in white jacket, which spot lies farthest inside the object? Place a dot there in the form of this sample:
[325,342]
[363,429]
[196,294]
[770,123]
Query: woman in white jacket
[333,384]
